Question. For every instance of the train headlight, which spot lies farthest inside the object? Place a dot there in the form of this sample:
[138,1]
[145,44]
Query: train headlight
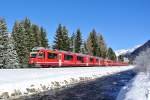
[31,61]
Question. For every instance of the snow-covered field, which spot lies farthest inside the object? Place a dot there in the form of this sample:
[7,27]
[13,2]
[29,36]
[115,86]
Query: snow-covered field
[20,82]
[137,89]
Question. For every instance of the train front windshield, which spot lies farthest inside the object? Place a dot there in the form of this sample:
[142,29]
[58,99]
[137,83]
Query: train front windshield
[33,55]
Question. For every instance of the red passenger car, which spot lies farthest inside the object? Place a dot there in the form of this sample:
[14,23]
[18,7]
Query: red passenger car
[54,58]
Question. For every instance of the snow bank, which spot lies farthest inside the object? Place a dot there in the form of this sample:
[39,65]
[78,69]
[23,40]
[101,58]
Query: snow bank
[23,82]
[136,89]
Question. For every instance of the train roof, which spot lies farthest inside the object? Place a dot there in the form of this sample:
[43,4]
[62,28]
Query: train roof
[38,48]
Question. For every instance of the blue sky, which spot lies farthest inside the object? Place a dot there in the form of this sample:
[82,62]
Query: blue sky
[123,23]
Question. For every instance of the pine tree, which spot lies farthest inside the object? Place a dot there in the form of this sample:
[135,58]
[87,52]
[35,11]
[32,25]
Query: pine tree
[27,26]
[61,40]
[3,41]
[11,57]
[3,32]
[36,36]
[92,45]
[20,37]
[120,58]
[85,47]
[58,41]
[8,55]
[44,40]
[65,39]
[27,36]
[78,41]
[111,54]
[102,48]
[72,43]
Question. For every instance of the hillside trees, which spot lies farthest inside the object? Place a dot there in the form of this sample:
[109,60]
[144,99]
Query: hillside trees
[27,36]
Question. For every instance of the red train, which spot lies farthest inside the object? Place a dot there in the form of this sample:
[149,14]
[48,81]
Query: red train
[54,58]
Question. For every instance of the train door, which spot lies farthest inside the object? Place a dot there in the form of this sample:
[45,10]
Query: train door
[41,58]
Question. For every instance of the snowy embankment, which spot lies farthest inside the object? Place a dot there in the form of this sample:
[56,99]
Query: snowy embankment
[23,82]
[137,89]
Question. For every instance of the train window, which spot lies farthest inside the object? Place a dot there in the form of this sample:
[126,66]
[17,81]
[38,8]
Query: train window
[52,55]
[91,59]
[33,55]
[68,57]
[79,58]
[41,55]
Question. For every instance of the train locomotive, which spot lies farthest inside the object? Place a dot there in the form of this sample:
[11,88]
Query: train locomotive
[45,58]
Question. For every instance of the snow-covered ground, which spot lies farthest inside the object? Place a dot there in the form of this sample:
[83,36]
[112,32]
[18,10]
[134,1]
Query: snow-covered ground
[19,82]
[137,89]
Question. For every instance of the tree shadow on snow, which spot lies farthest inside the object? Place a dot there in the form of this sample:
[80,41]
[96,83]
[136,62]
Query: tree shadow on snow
[104,88]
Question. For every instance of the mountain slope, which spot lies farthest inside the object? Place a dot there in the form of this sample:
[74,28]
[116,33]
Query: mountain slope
[126,51]
[137,51]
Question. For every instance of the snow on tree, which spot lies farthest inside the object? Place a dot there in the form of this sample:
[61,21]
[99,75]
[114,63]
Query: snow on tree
[10,56]
[142,61]
[3,40]
[20,38]
[1,56]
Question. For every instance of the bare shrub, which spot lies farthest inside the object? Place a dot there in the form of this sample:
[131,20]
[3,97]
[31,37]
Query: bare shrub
[142,62]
